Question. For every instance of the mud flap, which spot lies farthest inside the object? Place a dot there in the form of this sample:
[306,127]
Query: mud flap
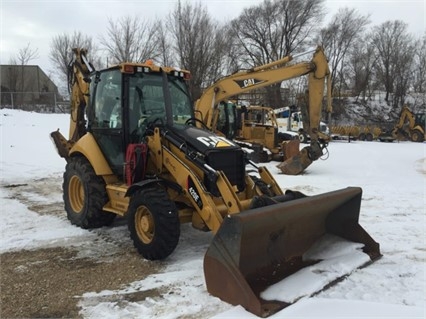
[254,249]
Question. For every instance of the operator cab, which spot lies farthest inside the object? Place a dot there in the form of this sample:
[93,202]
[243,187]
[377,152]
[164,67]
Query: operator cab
[127,100]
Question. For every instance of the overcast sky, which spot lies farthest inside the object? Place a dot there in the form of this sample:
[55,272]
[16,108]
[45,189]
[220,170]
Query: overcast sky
[38,21]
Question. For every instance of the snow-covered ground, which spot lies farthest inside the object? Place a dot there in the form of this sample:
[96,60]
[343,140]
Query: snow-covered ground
[393,178]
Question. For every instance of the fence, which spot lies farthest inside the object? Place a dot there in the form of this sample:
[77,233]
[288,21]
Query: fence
[44,102]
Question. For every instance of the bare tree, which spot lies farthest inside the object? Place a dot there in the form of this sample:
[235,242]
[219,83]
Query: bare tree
[164,45]
[274,29]
[360,62]
[199,44]
[61,51]
[419,69]
[394,50]
[131,40]
[26,54]
[338,38]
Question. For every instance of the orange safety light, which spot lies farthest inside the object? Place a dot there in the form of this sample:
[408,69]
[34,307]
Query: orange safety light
[128,68]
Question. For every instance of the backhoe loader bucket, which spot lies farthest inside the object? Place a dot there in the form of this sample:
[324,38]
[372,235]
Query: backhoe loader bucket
[257,248]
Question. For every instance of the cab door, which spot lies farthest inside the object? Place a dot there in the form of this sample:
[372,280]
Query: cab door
[106,117]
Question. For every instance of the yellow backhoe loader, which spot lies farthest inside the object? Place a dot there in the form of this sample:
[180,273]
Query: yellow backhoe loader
[134,150]
[410,126]
[318,74]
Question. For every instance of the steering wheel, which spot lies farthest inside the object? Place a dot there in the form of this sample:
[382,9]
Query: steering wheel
[193,120]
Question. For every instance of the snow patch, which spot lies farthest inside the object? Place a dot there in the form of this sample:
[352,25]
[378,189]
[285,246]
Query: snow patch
[338,257]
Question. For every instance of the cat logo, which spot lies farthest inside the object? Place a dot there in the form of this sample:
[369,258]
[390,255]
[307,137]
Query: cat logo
[248,82]
[215,141]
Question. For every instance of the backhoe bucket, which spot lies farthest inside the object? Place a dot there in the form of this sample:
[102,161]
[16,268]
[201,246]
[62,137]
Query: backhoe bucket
[295,164]
[260,247]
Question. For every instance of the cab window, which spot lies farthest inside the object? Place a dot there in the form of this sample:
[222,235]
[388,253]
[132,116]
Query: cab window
[107,108]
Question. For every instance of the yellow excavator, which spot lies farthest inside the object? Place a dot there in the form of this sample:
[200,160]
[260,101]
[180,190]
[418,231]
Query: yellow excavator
[134,150]
[318,74]
[410,126]
[255,128]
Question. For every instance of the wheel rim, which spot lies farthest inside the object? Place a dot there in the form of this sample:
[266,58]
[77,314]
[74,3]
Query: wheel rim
[144,224]
[76,194]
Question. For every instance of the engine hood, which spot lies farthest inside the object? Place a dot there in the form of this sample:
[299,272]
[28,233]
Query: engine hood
[202,140]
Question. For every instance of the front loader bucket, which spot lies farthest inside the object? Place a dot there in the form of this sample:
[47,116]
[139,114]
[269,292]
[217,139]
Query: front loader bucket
[257,248]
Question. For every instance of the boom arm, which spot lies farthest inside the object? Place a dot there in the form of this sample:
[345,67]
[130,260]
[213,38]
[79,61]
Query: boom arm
[79,81]
[267,75]
[406,115]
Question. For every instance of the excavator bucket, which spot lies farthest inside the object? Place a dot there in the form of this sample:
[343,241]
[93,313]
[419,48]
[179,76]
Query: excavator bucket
[290,148]
[295,164]
[265,246]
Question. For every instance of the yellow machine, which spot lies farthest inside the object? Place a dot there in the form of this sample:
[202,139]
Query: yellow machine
[255,128]
[356,132]
[410,126]
[317,71]
[134,150]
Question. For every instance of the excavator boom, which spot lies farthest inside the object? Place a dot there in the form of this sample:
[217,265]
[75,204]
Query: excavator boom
[318,74]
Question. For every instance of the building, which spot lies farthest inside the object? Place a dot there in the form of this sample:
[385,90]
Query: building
[22,85]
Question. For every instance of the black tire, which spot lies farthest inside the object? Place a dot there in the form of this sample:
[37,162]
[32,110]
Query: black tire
[417,136]
[369,137]
[85,195]
[361,137]
[303,138]
[153,223]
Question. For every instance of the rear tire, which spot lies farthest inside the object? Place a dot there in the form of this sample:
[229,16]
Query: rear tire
[153,222]
[417,136]
[85,195]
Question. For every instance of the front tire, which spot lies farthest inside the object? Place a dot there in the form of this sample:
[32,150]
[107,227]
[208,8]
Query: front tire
[153,223]
[85,195]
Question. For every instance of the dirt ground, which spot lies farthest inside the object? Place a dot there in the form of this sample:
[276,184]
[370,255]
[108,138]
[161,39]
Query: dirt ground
[48,282]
